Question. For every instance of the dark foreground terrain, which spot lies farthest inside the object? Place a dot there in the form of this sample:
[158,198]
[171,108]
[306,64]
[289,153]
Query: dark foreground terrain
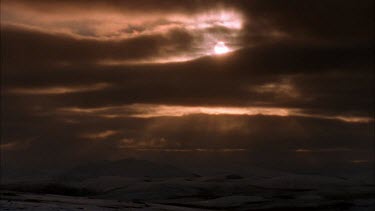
[114,188]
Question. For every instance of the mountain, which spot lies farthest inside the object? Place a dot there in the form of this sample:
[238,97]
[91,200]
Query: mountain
[124,168]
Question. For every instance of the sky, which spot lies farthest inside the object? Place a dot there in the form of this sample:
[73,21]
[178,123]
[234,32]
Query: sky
[291,83]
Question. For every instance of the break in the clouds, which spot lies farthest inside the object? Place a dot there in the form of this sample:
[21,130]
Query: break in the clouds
[101,79]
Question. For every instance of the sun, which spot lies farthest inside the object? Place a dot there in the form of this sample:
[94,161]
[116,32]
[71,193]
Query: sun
[221,48]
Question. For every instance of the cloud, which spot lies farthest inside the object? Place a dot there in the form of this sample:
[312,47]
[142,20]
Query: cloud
[153,143]
[332,22]
[140,75]
[154,110]
[43,49]
[150,111]
[115,137]
[99,135]
[281,89]
[104,31]
[58,90]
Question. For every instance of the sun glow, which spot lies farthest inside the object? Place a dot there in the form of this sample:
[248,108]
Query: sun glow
[112,26]
[157,110]
[152,110]
[221,48]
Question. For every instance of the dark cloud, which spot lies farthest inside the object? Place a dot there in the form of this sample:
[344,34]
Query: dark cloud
[332,89]
[331,22]
[40,49]
[116,5]
[255,135]
[314,56]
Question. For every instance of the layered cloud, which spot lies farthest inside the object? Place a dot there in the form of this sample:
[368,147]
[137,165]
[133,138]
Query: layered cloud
[95,79]
[118,33]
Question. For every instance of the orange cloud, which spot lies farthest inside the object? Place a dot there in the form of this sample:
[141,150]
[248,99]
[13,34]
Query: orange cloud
[100,135]
[156,110]
[152,110]
[102,22]
[55,90]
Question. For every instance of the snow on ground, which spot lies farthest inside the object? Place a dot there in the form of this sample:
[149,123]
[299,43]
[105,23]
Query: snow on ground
[225,192]
[28,201]
[141,185]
